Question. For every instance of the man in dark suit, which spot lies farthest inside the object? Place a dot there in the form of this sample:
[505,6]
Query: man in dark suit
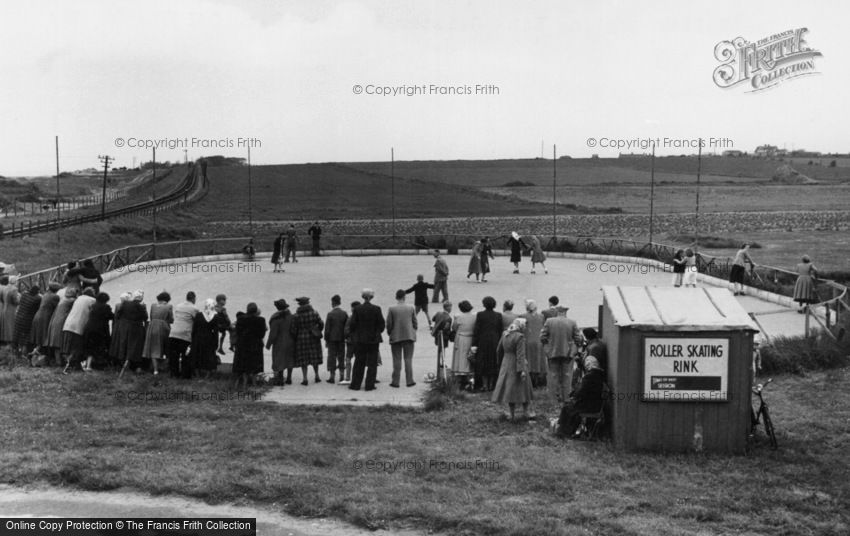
[367,324]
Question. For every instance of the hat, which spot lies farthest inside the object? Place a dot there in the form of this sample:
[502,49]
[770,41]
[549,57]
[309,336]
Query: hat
[303,300]
[562,308]
[281,304]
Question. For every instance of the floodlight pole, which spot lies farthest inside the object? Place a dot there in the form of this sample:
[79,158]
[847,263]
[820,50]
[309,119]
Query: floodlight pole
[651,194]
[250,202]
[58,209]
[554,191]
[696,219]
[392,179]
[153,183]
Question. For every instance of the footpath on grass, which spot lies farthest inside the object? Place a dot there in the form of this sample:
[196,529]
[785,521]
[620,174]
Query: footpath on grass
[60,502]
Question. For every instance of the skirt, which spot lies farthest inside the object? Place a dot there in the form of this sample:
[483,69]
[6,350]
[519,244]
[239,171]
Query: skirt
[804,290]
[460,361]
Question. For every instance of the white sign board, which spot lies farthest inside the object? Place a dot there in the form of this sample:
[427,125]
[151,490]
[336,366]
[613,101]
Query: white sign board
[685,370]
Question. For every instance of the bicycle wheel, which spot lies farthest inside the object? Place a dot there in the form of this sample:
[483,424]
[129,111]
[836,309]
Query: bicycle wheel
[768,428]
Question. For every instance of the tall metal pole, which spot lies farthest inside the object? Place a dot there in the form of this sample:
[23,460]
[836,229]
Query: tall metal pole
[250,201]
[392,178]
[153,182]
[58,205]
[554,191]
[652,194]
[696,219]
[105,160]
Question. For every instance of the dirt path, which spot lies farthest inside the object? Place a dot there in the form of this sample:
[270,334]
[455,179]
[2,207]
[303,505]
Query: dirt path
[61,502]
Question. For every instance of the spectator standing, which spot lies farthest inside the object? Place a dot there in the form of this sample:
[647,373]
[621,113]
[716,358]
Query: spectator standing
[596,347]
[41,321]
[306,328]
[205,339]
[367,324]
[463,329]
[349,346]
[420,296]
[537,364]
[508,314]
[562,339]
[281,342]
[513,386]
[804,288]
[180,337]
[96,333]
[552,311]
[315,233]
[74,328]
[441,329]
[130,339]
[27,308]
[57,322]
[159,328]
[248,358]
[485,341]
[335,338]
[678,267]
[225,326]
[739,268]
[441,278]
[690,276]
[401,328]
[9,299]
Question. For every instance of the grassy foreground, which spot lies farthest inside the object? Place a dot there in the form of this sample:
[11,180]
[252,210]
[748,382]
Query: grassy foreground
[89,432]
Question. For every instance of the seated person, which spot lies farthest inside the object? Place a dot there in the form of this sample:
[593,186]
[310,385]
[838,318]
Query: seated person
[586,399]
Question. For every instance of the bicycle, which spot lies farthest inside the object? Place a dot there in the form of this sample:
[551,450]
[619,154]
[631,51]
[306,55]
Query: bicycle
[762,415]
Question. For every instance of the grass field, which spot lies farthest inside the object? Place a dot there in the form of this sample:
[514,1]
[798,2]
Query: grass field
[334,461]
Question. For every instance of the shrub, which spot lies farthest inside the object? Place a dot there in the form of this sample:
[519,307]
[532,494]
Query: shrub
[799,354]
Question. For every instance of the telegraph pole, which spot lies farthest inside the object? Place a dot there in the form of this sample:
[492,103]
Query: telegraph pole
[392,179]
[696,219]
[554,191]
[153,183]
[105,159]
[250,206]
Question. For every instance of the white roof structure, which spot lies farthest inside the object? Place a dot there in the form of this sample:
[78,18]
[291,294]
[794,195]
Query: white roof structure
[677,309]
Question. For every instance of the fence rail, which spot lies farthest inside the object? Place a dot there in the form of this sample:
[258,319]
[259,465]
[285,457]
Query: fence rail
[769,278]
[190,188]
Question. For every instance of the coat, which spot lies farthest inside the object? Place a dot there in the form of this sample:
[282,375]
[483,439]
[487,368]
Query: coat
[488,330]
[306,329]
[248,358]
[204,342]
[41,321]
[280,341]
[335,325]
[561,337]
[128,332]
[23,319]
[401,323]
[96,333]
[9,298]
[367,324]
[512,387]
[57,322]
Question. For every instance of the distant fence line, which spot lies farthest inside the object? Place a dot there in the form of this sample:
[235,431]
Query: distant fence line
[832,296]
[189,189]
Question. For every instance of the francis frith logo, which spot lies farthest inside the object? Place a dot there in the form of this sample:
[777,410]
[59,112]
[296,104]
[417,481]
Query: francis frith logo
[766,63]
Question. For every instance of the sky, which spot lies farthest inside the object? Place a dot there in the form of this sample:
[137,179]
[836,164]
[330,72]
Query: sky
[302,81]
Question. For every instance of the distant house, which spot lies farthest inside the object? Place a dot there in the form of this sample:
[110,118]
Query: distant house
[765,151]
[733,152]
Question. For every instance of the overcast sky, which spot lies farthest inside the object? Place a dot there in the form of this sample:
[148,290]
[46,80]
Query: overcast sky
[283,74]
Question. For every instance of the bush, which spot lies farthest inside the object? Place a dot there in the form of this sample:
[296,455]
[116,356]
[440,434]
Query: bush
[800,354]
[518,184]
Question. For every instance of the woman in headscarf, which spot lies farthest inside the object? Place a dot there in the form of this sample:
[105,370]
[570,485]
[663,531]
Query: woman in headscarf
[804,288]
[463,327]
[513,386]
[475,261]
[41,322]
[307,329]
[281,342]
[97,331]
[57,322]
[485,341]
[537,255]
[30,302]
[588,398]
[129,334]
[248,357]
[516,245]
[537,364]
[205,339]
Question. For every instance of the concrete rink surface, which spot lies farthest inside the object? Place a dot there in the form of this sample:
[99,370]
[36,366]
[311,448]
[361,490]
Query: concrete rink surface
[576,282]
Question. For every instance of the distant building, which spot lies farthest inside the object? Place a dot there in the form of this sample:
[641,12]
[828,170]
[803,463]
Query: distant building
[765,151]
[733,152]
[594,155]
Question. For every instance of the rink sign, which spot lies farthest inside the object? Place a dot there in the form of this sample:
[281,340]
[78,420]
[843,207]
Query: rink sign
[685,370]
